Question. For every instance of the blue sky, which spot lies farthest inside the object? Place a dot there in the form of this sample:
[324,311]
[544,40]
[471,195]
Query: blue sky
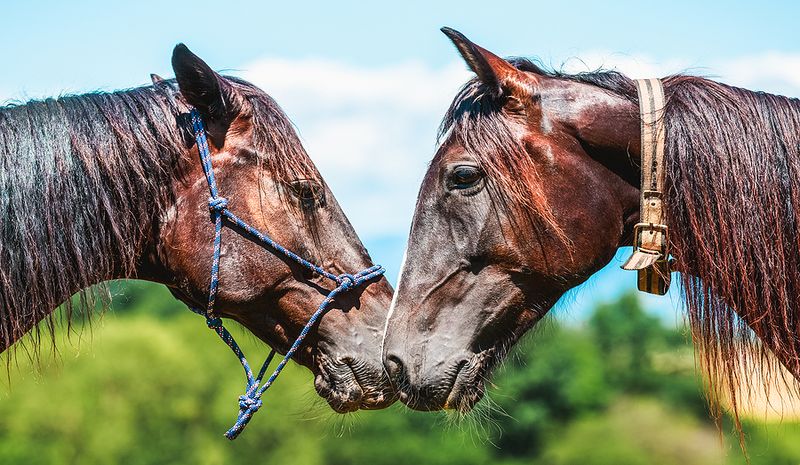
[366,83]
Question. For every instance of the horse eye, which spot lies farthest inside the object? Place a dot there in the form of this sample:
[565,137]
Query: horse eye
[309,192]
[465,176]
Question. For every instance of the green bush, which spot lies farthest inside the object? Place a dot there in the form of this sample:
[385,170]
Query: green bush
[635,432]
[144,391]
[149,384]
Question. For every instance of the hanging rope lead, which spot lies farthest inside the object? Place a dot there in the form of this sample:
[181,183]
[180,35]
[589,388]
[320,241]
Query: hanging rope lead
[250,401]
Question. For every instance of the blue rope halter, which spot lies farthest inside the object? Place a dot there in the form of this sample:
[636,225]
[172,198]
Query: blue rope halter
[250,401]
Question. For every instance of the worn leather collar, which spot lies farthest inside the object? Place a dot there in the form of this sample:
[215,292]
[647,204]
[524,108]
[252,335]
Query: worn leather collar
[650,256]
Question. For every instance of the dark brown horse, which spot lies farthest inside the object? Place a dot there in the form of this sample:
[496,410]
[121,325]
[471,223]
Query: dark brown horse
[109,185]
[535,186]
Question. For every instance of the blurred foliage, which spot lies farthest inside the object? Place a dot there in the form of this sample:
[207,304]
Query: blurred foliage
[147,383]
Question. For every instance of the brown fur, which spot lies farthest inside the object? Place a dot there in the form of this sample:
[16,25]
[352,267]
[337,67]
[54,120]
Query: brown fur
[109,185]
[565,152]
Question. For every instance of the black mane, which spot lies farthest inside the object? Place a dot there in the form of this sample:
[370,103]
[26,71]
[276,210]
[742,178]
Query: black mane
[83,180]
[81,176]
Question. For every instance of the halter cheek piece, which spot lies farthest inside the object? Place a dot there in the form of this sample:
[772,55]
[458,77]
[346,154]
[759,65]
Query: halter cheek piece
[250,401]
[651,242]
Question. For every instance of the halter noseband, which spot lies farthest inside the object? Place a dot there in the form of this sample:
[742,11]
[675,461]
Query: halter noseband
[250,401]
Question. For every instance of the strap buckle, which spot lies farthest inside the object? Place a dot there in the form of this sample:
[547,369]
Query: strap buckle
[651,238]
[649,245]
[650,258]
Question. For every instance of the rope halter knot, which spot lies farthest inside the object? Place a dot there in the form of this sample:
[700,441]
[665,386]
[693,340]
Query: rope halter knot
[346,281]
[247,407]
[217,204]
[249,404]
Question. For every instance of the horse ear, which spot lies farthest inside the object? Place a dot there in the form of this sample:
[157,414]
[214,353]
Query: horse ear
[492,70]
[156,78]
[202,88]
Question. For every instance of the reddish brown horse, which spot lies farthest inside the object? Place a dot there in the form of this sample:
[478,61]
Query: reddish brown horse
[536,185]
[109,185]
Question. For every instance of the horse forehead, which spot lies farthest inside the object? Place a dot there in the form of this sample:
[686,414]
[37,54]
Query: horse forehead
[451,152]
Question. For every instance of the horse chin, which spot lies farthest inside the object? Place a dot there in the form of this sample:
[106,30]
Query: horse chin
[465,389]
[349,385]
[469,386]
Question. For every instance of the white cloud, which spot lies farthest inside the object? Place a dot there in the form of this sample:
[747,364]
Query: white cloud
[371,131]
[773,71]
[770,71]
[634,66]
[316,84]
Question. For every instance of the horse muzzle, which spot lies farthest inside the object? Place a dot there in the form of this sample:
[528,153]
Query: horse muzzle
[454,384]
[349,384]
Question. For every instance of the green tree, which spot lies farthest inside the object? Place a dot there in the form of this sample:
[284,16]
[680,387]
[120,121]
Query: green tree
[552,378]
[626,337]
[137,390]
[148,384]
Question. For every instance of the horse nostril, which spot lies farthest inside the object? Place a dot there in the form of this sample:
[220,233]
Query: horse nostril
[395,368]
[460,367]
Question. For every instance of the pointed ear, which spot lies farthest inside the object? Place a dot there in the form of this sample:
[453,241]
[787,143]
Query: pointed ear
[492,70]
[156,78]
[202,88]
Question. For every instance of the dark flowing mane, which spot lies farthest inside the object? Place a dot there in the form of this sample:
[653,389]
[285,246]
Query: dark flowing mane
[733,194]
[84,179]
[733,205]
[81,176]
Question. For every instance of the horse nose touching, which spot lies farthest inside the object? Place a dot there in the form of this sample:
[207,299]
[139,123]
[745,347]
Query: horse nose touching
[349,370]
[426,382]
[356,380]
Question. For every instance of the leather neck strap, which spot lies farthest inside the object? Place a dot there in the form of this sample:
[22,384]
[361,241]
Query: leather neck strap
[651,243]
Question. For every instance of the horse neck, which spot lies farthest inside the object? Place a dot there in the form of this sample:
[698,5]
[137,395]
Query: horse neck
[607,125]
[83,182]
[732,162]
